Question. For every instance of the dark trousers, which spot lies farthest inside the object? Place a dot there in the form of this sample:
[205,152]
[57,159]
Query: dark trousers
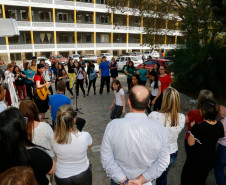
[30,90]
[79,83]
[221,163]
[51,89]
[94,85]
[68,88]
[116,112]
[56,84]
[157,105]
[103,81]
[162,180]
[80,123]
[84,178]
[129,81]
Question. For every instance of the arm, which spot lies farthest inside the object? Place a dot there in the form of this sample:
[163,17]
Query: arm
[113,104]
[159,93]
[23,75]
[39,86]
[160,164]
[99,72]
[53,169]
[49,109]
[113,170]
[16,77]
[124,104]
[84,74]
[187,121]
[2,95]
[191,140]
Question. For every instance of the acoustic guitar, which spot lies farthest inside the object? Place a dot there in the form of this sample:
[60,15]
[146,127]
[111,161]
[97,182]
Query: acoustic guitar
[43,92]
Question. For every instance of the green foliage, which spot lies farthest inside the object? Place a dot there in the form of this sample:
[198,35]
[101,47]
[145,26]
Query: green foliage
[200,68]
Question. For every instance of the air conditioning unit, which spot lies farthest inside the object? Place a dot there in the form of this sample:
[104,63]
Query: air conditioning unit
[9,27]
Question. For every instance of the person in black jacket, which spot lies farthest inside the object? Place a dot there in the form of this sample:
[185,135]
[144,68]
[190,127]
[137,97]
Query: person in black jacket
[71,72]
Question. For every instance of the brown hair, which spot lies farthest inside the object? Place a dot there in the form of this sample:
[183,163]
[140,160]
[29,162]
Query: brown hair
[29,110]
[117,82]
[171,105]
[65,124]
[9,66]
[25,65]
[61,85]
[209,110]
[204,95]
[19,175]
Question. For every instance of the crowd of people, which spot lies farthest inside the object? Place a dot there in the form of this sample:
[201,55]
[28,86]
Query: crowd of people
[139,148]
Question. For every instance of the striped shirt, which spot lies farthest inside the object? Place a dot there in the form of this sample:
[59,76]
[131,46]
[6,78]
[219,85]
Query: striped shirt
[135,145]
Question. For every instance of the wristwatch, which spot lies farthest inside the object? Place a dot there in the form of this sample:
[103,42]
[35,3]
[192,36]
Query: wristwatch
[125,182]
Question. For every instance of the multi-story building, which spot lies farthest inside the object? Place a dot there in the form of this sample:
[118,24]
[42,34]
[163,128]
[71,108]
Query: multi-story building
[77,26]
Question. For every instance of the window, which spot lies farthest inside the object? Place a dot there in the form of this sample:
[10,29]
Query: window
[79,18]
[137,22]
[89,18]
[104,38]
[89,37]
[137,39]
[63,38]
[14,39]
[45,38]
[104,19]
[62,17]
[27,37]
[44,16]
[11,14]
[15,56]
[79,38]
[88,1]
[24,15]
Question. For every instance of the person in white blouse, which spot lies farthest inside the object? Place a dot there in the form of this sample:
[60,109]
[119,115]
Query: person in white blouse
[70,146]
[39,133]
[173,121]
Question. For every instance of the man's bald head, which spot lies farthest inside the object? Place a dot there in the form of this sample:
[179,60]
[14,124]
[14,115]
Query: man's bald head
[139,97]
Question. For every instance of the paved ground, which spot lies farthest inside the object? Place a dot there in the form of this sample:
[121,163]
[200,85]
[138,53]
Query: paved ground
[96,112]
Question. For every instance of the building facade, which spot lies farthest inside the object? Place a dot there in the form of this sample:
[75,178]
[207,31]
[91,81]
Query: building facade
[49,27]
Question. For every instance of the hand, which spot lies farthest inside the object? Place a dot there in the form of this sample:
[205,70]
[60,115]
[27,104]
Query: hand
[84,80]
[153,102]
[111,108]
[134,182]
[192,123]
[123,111]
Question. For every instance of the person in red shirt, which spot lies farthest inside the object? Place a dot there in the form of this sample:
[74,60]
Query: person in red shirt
[40,83]
[165,80]
[194,116]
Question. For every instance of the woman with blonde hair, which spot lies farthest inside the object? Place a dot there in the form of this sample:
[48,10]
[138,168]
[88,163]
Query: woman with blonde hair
[174,121]
[70,146]
[195,115]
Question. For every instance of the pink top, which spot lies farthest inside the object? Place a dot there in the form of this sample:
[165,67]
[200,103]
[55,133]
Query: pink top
[222,141]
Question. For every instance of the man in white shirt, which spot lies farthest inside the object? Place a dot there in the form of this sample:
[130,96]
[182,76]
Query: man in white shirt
[135,149]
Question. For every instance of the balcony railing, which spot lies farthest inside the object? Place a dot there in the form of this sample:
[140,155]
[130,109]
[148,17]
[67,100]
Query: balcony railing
[85,45]
[85,26]
[81,4]
[65,25]
[44,46]
[103,45]
[64,3]
[20,47]
[42,1]
[65,46]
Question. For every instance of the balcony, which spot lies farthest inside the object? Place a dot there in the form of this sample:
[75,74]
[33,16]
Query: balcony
[85,46]
[64,4]
[119,45]
[103,46]
[65,26]
[84,27]
[66,47]
[104,28]
[16,2]
[134,45]
[101,8]
[84,6]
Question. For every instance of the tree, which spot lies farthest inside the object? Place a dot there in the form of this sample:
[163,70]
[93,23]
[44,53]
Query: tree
[199,20]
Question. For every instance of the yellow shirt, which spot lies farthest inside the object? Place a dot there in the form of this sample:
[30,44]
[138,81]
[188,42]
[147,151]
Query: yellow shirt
[34,68]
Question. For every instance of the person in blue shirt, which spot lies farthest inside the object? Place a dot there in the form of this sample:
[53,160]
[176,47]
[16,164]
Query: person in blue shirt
[143,74]
[104,75]
[57,100]
[29,81]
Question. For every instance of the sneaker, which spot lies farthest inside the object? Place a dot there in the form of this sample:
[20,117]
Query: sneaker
[94,93]
[87,94]
[72,97]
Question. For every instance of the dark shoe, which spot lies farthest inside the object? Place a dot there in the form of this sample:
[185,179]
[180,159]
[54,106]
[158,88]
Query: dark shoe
[87,94]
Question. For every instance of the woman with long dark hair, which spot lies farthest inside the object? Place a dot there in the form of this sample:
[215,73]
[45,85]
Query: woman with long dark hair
[18,150]
[62,75]
[81,78]
[130,71]
[174,122]
[71,72]
[40,83]
[156,95]
[92,75]
[113,68]
[20,84]
[70,146]
[202,141]
[29,79]
[39,133]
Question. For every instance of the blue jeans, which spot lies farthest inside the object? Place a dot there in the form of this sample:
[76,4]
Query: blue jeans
[162,180]
[221,162]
